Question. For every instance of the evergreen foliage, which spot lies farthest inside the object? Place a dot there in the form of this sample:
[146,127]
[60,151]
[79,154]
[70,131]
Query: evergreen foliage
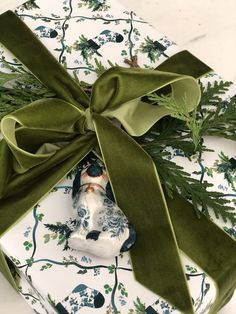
[174,178]
[185,131]
[180,113]
[100,68]
[19,88]
[182,131]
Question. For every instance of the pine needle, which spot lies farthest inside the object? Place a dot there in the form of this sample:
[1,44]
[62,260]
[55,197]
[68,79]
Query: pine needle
[217,115]
[212,92]
[181,113]
[6,77]
[174,178]
[100,68]
[184,131]
[12,99]
[222,121]
[18,89]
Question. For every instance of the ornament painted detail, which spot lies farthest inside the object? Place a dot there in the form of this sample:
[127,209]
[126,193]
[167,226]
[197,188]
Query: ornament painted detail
[95,5]
[89,47]
[81,296]
[155,48]
[47,32]
[102,229]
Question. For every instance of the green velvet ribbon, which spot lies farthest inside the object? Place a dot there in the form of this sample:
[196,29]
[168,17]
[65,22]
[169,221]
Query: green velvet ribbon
[43,141]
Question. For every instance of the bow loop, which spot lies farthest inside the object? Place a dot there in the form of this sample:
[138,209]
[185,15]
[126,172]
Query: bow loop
[36,132]
[119,91]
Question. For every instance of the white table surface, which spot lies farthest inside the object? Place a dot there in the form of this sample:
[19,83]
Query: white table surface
[205,27]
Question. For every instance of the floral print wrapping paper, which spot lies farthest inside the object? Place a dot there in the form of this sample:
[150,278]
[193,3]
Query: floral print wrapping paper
[53,278]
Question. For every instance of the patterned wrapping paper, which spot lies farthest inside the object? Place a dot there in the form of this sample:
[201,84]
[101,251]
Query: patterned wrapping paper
[55,280]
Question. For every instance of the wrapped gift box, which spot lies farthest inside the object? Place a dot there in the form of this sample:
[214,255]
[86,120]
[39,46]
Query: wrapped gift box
[81,33]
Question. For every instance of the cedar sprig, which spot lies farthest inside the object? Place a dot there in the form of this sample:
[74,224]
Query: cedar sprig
[100,68]
[218,115]
[174,178]
[212,92]
[162,134]
[214,116]
[7,77]
[86,86]
[181,113]
[221,122]
[21,92]
[19,87]
[178,133]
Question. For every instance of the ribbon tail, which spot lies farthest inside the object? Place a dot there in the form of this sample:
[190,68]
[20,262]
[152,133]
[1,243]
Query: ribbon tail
[155,258]
[22,42]
[209,246]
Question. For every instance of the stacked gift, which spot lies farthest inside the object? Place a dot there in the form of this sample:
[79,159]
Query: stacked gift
[150,125]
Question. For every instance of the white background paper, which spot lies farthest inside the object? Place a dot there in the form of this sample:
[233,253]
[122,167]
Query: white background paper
[205,27]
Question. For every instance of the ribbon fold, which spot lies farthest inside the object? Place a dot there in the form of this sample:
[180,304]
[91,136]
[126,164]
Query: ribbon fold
[43,141]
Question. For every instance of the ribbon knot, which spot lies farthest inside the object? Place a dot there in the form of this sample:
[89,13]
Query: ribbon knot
[89,125]
[36,132]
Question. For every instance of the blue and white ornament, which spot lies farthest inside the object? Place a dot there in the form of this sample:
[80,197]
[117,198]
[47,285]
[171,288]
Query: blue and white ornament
[46,32]
[82,296]
[102,228]
[106,36]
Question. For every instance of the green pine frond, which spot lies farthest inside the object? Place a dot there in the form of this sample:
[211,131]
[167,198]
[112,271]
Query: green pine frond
[18,89]
[100,68]
[175,179]
[181,113]
[6,77]
[168,132]
[178,131]
[221,122]
[211,94]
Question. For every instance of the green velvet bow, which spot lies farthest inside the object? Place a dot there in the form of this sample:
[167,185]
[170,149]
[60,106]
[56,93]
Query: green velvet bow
[43,141]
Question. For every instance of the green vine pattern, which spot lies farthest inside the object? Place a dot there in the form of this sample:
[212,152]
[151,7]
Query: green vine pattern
[78,57]
[117,291]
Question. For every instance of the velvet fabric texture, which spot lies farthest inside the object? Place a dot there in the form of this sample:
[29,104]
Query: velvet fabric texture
[43,141]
